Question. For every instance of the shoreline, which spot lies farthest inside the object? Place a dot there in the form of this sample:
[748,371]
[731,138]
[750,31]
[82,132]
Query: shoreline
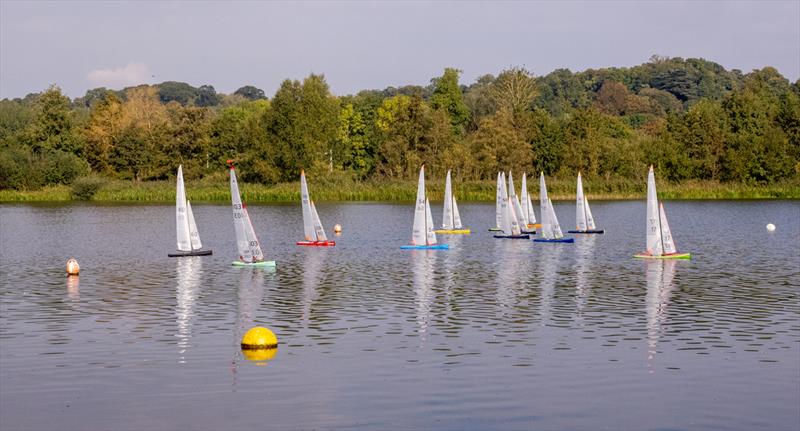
[397,191]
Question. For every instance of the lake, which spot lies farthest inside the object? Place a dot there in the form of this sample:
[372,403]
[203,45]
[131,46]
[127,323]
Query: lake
[491,334]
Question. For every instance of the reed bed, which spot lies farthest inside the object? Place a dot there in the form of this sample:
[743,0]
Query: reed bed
[217,190]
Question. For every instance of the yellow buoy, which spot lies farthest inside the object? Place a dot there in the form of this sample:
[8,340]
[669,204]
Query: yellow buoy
[337,229]
[257,355]
[259,338]
[72,267]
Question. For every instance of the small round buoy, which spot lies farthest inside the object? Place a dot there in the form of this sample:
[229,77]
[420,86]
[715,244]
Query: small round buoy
[337,229]
[72,267]
[770,227]
[259,337]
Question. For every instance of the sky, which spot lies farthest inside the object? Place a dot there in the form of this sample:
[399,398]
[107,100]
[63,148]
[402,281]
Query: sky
[361,45]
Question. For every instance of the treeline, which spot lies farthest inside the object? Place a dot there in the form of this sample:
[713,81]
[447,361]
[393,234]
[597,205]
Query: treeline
[691,118]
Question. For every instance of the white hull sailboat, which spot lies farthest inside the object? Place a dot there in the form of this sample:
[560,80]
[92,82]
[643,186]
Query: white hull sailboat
[312,226]
[249,248]
[660,244]
[451,219]
[188,238]
[422,234]
[509,209]
[551,230]
[584,221]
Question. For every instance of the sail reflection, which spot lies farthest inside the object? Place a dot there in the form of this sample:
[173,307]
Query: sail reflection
[251,292]
[188,271]
[424,263]
[584,247]
[514,264]
[312,269]
[550,260]
[659,288]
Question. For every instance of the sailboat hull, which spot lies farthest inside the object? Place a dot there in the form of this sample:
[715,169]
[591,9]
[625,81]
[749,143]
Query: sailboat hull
[317,243]
[495,229]
[453,231]
[190,253]
[535,226]
[426,247]
[664,256]
[568,240]
[587,231]
[262,264]
[523,236]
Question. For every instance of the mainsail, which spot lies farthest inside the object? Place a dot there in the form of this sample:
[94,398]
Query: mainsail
[654,243]
[448,211]
[246,240]
[419,233]
[181,215]
[308,218]
[499,202]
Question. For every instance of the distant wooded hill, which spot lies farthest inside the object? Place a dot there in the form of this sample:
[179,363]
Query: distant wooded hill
[690,117]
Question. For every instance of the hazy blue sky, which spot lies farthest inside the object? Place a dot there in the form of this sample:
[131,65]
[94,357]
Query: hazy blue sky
[361,45]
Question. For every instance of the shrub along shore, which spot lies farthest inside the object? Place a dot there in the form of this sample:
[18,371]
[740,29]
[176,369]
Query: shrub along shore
[217,190]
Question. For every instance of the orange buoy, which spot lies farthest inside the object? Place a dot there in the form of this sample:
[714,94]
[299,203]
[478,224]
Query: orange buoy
[337,229]
[72,267]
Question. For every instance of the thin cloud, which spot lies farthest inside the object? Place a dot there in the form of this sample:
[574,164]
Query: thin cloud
[132,74]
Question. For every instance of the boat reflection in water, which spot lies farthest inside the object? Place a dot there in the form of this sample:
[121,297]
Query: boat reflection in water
[659,288]
[424,262]
[188,270]
[550,260]
[312,269]
[583,270]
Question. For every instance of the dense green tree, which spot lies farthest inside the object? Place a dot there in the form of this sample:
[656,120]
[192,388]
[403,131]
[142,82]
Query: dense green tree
[301,125]
[447,96]
[250,93]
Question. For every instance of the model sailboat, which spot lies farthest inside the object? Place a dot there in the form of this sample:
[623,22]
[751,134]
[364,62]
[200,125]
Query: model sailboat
[509,222]
[188,238]
[451,219]
[516,206]
[551,230]
[250,253]
[527,205]
[312,227]
[583,214]
[659,238]
[422,234]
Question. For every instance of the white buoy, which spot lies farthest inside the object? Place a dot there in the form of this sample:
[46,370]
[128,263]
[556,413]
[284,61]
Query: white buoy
[770,227]
[72,267]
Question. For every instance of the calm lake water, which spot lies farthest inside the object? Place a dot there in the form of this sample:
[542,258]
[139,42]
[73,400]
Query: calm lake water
[491,334]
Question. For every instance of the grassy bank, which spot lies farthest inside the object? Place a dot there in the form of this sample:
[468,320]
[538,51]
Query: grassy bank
[346,190]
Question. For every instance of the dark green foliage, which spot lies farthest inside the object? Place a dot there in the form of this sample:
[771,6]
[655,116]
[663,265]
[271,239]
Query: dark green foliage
[447,96]
[250,93]
[85,187]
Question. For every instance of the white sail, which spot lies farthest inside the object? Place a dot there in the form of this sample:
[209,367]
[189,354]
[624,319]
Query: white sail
[319,231]
[456,215]
[505,220]
[419,232]
[447,212]
[252,241]
[580,207]
[193,234]
[513,222]
[589,218]
[498,208]
[308,219]
[654,245]
[514,203]
[524,198]
[531,213]
[542,193]
[554,226]
[181,216]
[547,227]
[667,244]
[430,235]
[246,241]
